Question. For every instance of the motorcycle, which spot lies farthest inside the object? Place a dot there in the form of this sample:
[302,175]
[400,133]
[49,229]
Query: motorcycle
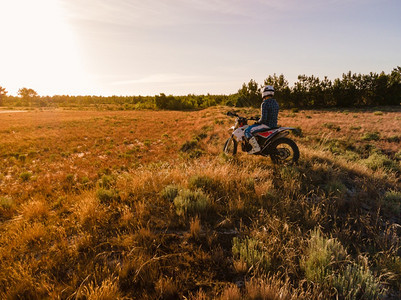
[273,142]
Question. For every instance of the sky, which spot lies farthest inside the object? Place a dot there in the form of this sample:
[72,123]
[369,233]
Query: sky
[180,47]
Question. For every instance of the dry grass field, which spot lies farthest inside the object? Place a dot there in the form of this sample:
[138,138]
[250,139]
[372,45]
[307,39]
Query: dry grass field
[144,205]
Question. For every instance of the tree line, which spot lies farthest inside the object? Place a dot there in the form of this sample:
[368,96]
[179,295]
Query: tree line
[351,90]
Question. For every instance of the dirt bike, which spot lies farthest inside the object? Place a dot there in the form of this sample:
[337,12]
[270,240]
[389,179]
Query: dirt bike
[273,142]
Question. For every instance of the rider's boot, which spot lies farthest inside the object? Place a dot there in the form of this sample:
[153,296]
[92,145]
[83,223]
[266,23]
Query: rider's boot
[255,146]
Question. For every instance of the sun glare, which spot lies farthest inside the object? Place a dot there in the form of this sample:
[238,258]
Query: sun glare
[38,49]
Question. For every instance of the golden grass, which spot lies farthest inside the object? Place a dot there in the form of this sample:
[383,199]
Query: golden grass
[88,206]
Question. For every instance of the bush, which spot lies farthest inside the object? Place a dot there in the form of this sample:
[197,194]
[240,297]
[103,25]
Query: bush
[392,200]
[106,181]
[6,202]
[107,196]
[397,156]
[377,160]
[189,145]
[25,176]
[371,136]
[251,252]
[394,139]
[332,126]
[190,202]
[322,257]
[357,282]
[170,192]
[335,186]
[192,149]
[203,182]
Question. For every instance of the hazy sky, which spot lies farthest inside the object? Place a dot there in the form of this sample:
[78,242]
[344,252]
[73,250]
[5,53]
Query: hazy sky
[147,47]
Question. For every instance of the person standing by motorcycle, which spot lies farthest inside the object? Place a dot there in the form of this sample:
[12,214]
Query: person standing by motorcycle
[268,119]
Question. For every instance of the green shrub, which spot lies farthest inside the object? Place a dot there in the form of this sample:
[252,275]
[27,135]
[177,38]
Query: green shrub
[357,282]
[190,202]
[189,146]
[336,146]
[106,196]
[378,160]
[392,196]
[392,200]
[192,149]
[332,126]
[371,136]
[394,139]
[203,182]
[25,176]
[85,180]
[6,202]
[322,257]
[351,155]
[69,178]
[106,181]
[252,252]
[200,136]
[170,192]
[335,186]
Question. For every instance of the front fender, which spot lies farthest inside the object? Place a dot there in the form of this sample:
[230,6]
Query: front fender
[239,133]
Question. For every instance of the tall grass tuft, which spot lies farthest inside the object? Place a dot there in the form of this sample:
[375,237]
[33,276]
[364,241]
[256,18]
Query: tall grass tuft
[251,252]
[267,288]
[322,257]
[108,290]
[190,202]
[170,192]
[357,282]
[195,228]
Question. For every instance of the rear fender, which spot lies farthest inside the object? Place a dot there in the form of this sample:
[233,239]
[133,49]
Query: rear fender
[281,132]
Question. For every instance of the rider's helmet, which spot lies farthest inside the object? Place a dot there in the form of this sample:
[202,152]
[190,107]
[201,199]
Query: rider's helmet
[268,90]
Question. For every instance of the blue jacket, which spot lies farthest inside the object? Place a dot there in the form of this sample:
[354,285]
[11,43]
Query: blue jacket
[269,112]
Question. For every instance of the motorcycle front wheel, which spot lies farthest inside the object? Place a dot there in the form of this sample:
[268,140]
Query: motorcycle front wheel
[284,151]
[230,147]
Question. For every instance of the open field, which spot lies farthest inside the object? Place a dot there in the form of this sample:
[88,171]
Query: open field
[143,205]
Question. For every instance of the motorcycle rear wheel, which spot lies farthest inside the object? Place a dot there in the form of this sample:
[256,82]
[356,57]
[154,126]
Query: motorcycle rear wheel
[284,151]
[230,147]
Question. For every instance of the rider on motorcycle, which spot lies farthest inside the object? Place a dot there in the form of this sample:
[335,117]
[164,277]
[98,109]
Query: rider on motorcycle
[268,119]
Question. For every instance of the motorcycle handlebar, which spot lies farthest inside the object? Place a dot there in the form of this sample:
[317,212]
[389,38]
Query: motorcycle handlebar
[233,114]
